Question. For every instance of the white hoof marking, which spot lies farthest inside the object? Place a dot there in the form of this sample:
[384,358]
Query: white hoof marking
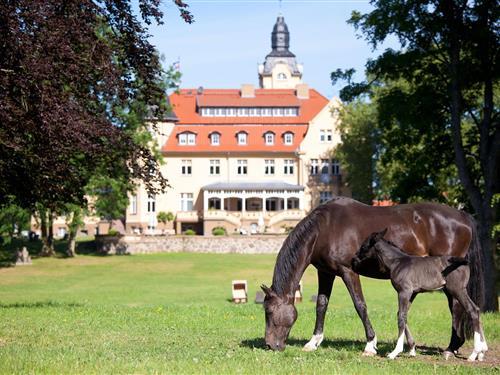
[314,343]
[447,355]
[413,352]
[371,348]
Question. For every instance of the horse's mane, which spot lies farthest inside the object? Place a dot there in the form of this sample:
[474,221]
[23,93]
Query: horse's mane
[288,256]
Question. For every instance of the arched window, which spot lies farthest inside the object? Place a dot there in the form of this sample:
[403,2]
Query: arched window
[269,138]
[281,76]
[242,138]
[288,138]
[215,138]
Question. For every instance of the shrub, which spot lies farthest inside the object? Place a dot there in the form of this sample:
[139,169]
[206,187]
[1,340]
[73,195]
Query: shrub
[113,232]
[219,231]
[189,232]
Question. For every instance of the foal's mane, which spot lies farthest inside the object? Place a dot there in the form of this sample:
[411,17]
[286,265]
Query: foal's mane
[289,254]
[395,248]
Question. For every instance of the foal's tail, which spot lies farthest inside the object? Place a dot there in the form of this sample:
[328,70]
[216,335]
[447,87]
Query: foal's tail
[475,288]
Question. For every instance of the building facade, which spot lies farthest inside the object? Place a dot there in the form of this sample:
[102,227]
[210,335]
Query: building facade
[249,160]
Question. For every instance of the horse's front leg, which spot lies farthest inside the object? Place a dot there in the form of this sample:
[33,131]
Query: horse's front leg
[325,284]
[351,280]
[404,303]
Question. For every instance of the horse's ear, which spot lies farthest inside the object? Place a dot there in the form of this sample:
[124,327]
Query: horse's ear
[267,291]
[379,235]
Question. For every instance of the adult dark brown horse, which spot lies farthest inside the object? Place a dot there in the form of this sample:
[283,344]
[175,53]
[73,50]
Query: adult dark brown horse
[330,236]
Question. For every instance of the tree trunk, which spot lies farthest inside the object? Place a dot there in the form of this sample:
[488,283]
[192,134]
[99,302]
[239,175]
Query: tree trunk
[47,234]
[485,224]
[71,250]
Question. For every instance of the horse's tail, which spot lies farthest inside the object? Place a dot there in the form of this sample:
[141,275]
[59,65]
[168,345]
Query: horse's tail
[453,264]
[475,287]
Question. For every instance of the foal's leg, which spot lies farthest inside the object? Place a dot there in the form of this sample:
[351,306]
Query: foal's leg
[409,337]
[325,284]
[404,302]
[351,280]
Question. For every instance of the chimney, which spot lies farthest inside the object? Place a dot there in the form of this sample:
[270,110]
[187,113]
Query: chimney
[302,91]
[247,91]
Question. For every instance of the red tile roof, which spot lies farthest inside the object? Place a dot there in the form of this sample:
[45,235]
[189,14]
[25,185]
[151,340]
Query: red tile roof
[229,142]
[184,105]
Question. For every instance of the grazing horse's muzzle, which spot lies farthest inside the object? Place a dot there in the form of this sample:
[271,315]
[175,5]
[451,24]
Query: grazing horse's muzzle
[276,346]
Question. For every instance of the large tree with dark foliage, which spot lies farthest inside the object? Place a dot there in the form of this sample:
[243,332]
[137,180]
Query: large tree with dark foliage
[449,57]
[77,80]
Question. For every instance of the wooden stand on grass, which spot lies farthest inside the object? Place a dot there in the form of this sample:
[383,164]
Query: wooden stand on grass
[240,290]
[298,293]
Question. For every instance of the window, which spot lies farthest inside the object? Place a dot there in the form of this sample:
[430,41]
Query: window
[242,167]
[288,138]
[186,201]
[242,138]
[186,167]
[215,167]
[325,136]
[289,164]
[187,138]
[269,137]
[325,196]
[151,203]
[269,166]
[133,204]
[335,167]
[324,166]
[281,76]
[215,139]
[314,166]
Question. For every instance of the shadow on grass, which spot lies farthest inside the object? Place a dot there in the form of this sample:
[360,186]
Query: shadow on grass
[38,304]
[384,348]
[8,251]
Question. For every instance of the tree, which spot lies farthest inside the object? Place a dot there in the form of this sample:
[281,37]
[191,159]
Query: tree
[452,45]
[357,151]
[13,220]
[165,217]
[78,79]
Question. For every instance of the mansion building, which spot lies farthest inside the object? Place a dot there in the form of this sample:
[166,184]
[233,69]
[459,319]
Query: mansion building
[249,160]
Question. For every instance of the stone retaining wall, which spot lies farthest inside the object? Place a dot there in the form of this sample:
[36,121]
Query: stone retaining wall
[193,244]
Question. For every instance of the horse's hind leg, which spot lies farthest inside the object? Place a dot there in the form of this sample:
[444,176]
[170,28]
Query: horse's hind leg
[325,284]
[480,346]
[457,339]
[351,281]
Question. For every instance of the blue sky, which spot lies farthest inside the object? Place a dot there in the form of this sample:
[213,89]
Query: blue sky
[228,40]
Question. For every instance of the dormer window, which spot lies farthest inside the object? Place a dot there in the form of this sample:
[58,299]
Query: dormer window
[288,138]
[187,138]
[215,139]
[269,138]
[242,138]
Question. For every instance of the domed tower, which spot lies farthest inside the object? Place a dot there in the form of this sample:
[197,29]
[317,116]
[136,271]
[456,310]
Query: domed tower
[280,69]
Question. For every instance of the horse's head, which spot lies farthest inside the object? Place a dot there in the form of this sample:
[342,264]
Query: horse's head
[367,249]
[280,316]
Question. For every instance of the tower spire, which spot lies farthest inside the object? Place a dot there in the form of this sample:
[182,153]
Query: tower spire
[280,68]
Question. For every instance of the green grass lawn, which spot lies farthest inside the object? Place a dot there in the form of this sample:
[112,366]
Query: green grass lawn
[170,313]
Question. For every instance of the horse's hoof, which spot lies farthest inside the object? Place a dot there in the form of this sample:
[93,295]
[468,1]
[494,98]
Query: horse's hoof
[447,355]
[480,357]
[368,353]
[472,357]
[309,348]
[413,352]
[391,356]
